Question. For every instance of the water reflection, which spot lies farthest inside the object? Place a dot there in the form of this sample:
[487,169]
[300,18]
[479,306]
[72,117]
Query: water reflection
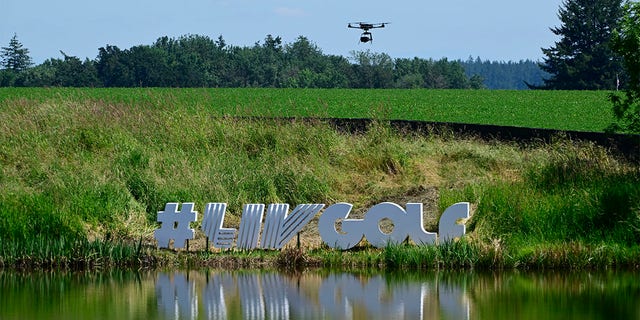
[307,296]
[318,295]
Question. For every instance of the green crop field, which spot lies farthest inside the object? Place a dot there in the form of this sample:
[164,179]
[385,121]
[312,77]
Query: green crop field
[563,110]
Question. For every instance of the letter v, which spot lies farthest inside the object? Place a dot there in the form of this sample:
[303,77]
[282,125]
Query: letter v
[279,227]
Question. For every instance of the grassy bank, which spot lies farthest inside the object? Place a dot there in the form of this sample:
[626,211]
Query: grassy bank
[82,179]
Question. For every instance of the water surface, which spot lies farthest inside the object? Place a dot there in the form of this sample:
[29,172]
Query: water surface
[217,294]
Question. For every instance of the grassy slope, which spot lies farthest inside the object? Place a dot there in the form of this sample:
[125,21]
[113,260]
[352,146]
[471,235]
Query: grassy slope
[97,167]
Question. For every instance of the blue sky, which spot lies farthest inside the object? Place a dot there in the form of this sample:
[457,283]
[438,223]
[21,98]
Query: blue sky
[456,29]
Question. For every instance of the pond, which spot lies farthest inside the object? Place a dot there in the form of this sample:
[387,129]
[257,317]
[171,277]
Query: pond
[319,294]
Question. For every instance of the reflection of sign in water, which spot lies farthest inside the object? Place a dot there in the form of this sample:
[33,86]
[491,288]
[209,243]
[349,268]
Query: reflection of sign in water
[280,226]
[177,295]
[274,296]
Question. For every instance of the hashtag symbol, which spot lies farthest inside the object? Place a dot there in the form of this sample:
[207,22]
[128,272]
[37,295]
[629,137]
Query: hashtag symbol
[175,225]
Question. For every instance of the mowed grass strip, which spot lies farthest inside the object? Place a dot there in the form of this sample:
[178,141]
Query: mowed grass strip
[562,110]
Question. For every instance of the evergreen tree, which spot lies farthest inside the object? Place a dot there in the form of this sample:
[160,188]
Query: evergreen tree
[626,42]
[582,59]
[15,57]
[511,75]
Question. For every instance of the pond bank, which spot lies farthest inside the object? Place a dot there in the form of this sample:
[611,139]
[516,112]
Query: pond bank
[460,255]
[82,182]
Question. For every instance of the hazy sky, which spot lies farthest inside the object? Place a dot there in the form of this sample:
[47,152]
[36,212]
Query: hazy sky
[455,29]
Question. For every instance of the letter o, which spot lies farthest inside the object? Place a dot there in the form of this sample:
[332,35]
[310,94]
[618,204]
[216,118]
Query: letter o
[386,210]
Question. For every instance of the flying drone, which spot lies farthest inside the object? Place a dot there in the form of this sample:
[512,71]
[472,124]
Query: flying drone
[366,35]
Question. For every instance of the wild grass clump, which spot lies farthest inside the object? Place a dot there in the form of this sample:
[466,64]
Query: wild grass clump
[574,255]
[577,194]
[75,254]
[576,197]
[450,255]
[24,217]
[292,259]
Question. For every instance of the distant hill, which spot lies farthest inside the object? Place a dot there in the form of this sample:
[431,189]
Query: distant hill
[505,75]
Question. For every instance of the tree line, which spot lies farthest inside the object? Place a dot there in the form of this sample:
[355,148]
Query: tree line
[582,59]
[506,75]
[199,61]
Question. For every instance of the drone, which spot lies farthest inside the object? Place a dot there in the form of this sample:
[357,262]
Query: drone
[366,35]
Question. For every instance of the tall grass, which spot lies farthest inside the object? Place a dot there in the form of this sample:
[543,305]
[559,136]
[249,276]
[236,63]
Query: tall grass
[96,166]
[97,170]
[450,255]
[575,207]
[63,253]
[575,193]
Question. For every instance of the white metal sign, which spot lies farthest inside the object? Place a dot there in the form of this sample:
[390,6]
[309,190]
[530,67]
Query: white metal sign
[407,224]
[280,226]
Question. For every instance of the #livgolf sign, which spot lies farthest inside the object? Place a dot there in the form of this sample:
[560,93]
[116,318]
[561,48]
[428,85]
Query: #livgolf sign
[280,226]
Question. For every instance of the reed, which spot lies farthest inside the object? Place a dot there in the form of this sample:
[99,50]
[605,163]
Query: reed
[450,255]
[74,254]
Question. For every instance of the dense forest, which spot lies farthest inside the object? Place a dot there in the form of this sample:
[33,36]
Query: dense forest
[199,61]
[506,75]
